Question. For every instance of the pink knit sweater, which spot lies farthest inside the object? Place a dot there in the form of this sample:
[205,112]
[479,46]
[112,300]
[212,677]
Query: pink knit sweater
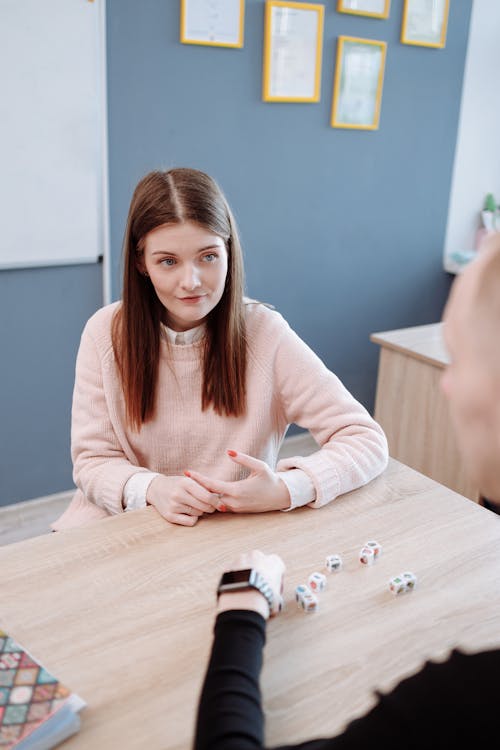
[286,382]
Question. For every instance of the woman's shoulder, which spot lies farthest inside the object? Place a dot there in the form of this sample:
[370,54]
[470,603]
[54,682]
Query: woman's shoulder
[98,326]
[103,315]
[260,316]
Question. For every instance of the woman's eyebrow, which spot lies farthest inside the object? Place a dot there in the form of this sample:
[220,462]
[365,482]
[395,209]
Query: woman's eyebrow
[212,246]
[163,252]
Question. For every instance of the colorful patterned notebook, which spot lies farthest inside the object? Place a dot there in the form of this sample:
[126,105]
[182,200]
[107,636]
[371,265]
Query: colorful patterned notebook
[29,698]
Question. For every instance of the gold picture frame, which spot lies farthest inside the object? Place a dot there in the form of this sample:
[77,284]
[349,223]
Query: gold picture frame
[220,24]
[425,22]
[359,78]
[371,8]
[293,49]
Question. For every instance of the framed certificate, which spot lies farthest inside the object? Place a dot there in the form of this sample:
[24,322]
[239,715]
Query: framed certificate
[425,22]
[293,45]
[374,8]
[359,77]
[218,23]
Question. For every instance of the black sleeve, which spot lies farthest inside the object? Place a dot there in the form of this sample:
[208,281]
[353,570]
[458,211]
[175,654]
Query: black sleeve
[494,507]
[230,715]
[230,712]
[443,705]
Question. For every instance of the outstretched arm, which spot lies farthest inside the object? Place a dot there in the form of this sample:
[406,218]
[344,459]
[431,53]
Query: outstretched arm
[450,704]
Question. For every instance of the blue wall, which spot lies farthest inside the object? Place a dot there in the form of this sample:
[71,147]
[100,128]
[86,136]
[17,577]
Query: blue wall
[42,312]
[342,230]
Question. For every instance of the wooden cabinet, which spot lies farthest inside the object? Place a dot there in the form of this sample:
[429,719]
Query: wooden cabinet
[411,408]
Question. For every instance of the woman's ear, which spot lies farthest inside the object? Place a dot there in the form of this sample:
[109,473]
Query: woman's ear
[139,263]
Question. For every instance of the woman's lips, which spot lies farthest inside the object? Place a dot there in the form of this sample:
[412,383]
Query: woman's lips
[192,300]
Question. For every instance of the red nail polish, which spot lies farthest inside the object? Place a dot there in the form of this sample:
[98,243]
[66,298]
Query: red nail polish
[187,474]
[222,508]
[232,453]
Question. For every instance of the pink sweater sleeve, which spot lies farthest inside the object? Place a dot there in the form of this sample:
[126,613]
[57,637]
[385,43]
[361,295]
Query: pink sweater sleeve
[100,466]
[353,446]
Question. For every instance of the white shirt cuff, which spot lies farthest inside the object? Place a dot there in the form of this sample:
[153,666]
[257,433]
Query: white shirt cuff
[299,486]
[134,492]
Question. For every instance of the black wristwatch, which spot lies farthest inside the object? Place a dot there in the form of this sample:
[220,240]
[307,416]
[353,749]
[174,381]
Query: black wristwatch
[243,580]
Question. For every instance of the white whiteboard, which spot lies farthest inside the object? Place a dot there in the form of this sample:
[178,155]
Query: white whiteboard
[52,125]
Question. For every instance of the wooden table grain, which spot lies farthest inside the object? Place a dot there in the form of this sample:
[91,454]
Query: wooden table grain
[122,610]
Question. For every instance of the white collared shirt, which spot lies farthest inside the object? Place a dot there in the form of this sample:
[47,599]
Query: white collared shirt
[183,338]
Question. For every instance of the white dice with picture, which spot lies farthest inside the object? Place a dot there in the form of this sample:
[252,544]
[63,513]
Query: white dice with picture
[317,582]
[333,563]
[402,583]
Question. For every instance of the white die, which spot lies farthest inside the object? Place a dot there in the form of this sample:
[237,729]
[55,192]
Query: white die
[300,591]
[410,580]
[317,581]
[309,602]
[367,556]
[333,563]
[403,582]
[397,585]
[375,546]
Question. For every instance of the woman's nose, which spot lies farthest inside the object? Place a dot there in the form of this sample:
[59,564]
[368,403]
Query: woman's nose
[191,277]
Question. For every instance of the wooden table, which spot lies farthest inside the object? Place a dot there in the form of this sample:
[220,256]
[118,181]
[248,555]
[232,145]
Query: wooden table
[122,610]
[412,409]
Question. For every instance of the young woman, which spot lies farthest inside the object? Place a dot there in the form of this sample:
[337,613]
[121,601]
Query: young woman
[184,389]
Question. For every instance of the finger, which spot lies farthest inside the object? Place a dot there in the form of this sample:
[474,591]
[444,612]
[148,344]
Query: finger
[189,500]
[181,519]
[279,563]
[208,508]
[223,507]
[249,462]
[216,486]
[201,497]
[278,606]
[188,510]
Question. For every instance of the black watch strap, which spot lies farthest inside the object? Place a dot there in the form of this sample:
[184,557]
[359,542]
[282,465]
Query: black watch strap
[243,580]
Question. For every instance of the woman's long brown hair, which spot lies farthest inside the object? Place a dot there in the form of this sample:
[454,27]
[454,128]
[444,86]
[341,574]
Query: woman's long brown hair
[173,197]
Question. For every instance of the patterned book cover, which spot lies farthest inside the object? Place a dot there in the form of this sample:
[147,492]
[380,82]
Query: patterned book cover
[29,695]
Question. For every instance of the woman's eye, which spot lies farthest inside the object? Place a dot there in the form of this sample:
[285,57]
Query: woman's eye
[168,262]
[210,257]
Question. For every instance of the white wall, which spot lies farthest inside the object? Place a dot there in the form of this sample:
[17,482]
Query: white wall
[477,158]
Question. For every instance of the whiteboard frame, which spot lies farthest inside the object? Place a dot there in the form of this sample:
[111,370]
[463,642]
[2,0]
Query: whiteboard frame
[105,219]
[104,233]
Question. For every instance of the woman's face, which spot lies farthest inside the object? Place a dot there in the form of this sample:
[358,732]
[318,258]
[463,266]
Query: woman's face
[187,266]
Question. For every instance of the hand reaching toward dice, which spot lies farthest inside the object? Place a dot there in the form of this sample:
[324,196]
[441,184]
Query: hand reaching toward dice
[272,569]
